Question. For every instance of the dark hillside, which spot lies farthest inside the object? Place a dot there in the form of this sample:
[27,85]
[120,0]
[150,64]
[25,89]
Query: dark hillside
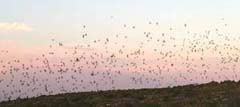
[225,94]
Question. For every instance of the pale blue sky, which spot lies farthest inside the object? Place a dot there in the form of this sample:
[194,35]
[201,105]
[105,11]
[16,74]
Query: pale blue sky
[66,17]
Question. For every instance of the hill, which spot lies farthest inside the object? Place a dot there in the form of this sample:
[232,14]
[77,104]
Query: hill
[213,94]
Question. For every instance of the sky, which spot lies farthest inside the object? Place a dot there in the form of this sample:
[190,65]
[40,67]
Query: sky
[34,22]
[180,41]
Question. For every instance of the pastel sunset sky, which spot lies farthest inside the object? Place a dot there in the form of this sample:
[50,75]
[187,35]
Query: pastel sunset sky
[32,22]
[144,43]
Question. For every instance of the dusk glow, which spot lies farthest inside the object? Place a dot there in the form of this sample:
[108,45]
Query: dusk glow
[49,47]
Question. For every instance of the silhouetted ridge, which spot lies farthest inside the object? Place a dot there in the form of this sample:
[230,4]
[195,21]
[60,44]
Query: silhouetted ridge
[210,94]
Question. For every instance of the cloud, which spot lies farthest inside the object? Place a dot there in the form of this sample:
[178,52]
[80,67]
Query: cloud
[13,27]
[78,47]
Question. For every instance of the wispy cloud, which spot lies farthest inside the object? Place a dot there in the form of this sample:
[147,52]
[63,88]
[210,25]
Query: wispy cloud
[77,47]
[13,27]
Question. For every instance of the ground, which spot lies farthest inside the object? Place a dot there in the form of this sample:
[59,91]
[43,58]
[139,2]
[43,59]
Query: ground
[213,94]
